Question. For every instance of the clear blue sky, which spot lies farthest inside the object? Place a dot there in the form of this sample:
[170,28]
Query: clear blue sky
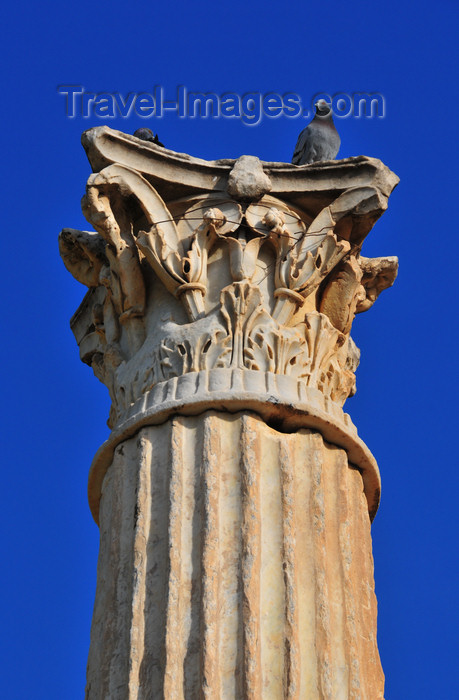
[54,410]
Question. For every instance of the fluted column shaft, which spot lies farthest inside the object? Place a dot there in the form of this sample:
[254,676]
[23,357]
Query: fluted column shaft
[233,494]
[235,563]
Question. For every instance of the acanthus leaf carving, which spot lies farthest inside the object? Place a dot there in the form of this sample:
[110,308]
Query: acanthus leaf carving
[323,342]
[179,356]
[298,275]
[304,262]
[304,258]
[241,308]
[277,349]
[334,358]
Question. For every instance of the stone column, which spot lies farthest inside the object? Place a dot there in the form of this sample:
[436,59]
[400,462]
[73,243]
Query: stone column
[234,496]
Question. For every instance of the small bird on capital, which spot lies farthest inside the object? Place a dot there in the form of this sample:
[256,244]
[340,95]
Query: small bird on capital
[147,135]
[319,140]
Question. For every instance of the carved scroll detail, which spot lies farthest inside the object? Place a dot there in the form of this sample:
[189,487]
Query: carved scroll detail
[104,205]
[334,358]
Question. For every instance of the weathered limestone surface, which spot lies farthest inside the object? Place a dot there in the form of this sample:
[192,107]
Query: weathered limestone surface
[234,495]
[235,563]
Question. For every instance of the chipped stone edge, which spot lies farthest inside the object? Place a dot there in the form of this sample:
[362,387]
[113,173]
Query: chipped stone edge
[283,402]
[105,146]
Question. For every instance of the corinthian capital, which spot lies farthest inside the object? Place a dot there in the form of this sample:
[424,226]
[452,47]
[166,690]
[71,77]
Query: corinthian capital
[226,283]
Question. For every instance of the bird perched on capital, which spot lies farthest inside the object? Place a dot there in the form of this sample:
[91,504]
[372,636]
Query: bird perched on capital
[147,135]
[319,140]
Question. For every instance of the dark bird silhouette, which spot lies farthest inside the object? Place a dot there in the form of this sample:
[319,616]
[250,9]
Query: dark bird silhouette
[147,135]
[319,140]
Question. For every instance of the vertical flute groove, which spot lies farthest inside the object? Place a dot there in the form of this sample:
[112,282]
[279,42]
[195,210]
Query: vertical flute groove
[109,623]
[141,527]
[151,671]
[97,662]
[292,669]
[322,612]
[211,560]
[344,488]
[125,499]
[251,560]
[374,676]
[236,566]
[173,675]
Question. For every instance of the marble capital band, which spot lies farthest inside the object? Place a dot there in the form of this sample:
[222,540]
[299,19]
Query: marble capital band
[283,402]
